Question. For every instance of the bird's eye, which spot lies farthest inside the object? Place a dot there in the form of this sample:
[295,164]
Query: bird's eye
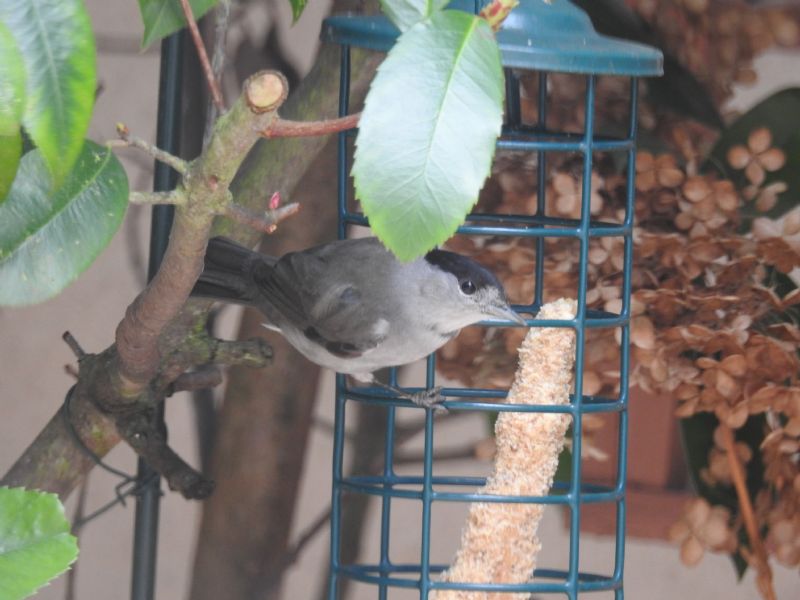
[468,287]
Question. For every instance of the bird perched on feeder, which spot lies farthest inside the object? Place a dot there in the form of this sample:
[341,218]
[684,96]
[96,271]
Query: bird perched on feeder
[351,306]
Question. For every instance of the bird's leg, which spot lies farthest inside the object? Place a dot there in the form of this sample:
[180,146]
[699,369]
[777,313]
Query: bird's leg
[428,398]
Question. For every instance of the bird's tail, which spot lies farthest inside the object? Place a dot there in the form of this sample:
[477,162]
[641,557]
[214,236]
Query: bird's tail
[227,272]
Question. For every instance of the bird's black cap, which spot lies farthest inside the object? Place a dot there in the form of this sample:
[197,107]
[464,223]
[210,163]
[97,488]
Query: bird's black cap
[464,268]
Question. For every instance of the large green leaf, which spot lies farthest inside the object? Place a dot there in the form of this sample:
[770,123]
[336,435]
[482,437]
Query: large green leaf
[48,238]
[56,41]
[10,152]
[162,17]
[428,131]
[780,113]
[35,542]
[12,106]
[407,13]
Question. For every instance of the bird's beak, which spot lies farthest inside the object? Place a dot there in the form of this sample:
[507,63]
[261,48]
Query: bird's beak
[507,314]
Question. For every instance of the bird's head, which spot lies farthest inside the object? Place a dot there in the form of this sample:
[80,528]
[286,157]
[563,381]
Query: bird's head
[473,293]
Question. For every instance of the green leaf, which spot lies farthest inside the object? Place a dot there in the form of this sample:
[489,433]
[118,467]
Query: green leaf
[298,6]
[163,17]
[10,153]
[780,113]
[35,542]
[57,45]
[428,131]
[12,83]
[47,238]
[12,105]
[407,13]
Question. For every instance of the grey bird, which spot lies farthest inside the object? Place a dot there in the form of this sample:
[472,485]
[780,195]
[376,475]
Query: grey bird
[351,306]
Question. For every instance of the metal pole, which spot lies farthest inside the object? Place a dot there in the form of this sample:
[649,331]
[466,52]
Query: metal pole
[145,538]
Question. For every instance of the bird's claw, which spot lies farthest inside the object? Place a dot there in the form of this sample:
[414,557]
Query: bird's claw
[430,398]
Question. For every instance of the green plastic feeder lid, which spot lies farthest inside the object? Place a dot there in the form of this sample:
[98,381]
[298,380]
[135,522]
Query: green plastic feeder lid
[544,35]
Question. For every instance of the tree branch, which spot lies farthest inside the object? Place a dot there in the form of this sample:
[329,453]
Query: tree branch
[213,86]
[142,432]
[206,185]
[73,344]
[128,140]
[204,377]
[285,128]
[114,396]
[53,461]
[763,570]
[266,221]
[205,350]
[176,197]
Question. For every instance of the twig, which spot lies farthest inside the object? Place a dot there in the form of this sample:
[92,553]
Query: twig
[204,350]
[221,23]
[148,440]
[764,572]
[285,128]
[213,86]
[205,377]
[174,197]
[129,140]
[266,221]
[73,345]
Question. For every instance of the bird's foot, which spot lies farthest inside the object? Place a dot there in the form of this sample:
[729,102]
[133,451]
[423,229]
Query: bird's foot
[431,398]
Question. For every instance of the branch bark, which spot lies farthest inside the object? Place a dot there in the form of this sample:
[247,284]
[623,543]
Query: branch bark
[115,392]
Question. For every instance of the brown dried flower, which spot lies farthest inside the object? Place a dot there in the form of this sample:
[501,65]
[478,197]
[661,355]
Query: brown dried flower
[708,206]
[567,190]
[660,171]
[757,158]
[702,527]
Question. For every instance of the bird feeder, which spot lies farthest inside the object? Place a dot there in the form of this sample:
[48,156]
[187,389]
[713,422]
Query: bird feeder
[539,39]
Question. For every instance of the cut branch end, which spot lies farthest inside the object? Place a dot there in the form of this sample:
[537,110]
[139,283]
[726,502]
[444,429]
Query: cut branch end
[266,91]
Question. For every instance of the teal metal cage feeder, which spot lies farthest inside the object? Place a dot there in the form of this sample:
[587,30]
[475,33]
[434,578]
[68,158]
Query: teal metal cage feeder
[541,37]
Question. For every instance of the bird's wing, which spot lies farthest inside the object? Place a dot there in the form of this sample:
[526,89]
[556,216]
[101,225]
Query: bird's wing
[328,311]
